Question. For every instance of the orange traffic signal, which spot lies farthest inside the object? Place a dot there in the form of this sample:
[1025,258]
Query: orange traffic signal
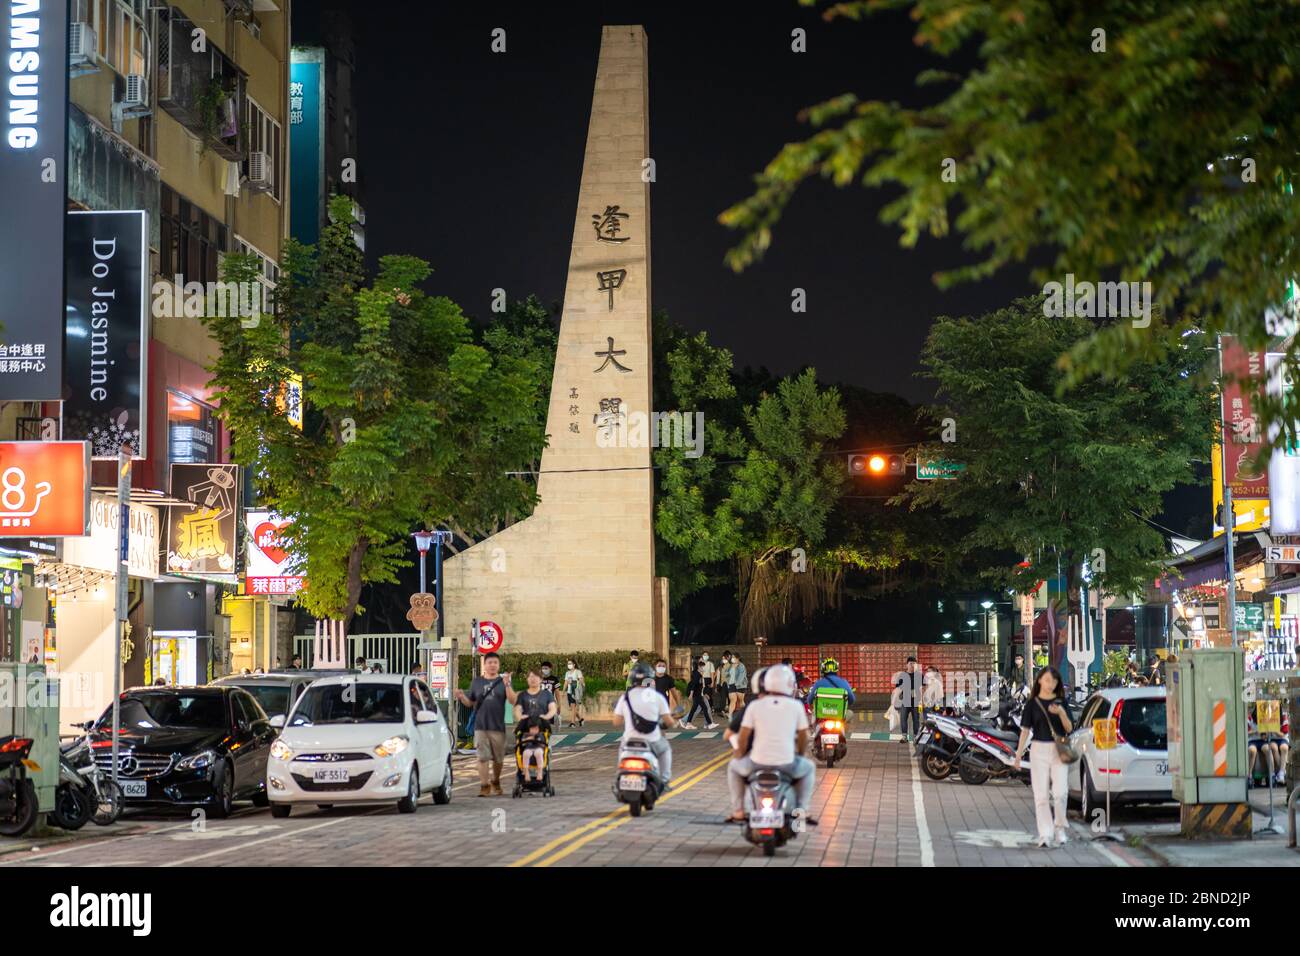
[877,464]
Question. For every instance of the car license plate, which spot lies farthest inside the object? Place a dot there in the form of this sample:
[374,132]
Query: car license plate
[630,781]
[830,739]
[330,776]
[1162,768]
[134,788]
[923,739]
[766,819]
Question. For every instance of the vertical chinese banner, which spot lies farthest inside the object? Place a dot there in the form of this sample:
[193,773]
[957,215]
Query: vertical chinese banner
[1243,373]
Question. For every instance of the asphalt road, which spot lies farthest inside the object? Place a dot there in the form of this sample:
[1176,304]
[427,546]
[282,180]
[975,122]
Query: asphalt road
[874,809]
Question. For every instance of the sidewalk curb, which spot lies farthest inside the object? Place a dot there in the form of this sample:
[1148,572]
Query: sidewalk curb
[27,844]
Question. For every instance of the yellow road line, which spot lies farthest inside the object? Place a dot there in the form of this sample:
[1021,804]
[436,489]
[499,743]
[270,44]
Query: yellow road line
[685,781]
[699,774]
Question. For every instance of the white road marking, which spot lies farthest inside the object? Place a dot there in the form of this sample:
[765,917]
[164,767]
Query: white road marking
[1114,859]
[706,734]
[672,734]
[918,804]
[252,843]
[556,738]
[591,738]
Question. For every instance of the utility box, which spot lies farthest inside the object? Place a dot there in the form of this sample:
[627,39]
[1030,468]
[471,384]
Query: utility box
[29,707]
[1207,742]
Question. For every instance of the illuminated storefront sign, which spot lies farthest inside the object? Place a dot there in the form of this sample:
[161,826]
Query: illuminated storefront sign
[44,489]
[99,549]
[33,181]
[271,566]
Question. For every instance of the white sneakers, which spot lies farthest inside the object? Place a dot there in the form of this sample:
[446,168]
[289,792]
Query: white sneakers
[1062,837]
[710,726]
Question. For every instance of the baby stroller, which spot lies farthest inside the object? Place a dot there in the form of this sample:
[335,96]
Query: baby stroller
[523,784]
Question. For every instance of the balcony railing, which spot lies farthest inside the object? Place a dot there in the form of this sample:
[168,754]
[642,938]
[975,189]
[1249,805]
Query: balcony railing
[203,90]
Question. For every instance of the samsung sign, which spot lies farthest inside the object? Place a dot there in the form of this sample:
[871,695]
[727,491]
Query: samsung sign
[33,190]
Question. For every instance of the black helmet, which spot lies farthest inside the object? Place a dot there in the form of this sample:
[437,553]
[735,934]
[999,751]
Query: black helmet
[641,675]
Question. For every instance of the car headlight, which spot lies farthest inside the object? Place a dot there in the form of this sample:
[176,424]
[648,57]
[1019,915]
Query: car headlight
[391,747]
[198,761]
[281,751]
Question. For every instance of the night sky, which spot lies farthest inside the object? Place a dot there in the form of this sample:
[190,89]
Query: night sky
[472,161]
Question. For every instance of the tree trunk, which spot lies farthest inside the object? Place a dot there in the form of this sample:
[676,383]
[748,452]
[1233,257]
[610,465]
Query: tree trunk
[355,557]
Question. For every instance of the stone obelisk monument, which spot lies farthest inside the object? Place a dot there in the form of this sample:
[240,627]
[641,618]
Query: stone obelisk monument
[578,574]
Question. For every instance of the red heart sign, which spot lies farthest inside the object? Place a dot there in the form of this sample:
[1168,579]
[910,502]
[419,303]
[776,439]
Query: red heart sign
[267,537]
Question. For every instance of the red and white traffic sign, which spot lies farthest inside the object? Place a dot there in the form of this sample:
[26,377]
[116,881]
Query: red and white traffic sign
[490,637]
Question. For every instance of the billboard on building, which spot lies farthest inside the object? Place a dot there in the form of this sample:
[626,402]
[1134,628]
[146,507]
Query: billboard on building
[107,335]
[201,538]
[1284,465]
[33,181]
[1243,374]
[306,142]
[100,549]
[271,568]
[44,489]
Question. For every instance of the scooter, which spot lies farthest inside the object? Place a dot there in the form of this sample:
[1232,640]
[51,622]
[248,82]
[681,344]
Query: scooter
[639,782]
[769,809]
[958,739]
[18,806]
[79,773]
[830,742]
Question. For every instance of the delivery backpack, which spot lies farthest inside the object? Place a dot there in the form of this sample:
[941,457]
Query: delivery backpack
[641,725]
[830,703]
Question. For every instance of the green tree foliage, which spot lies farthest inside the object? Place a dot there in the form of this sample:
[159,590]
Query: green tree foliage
[1058,475]
[407,419]
[1160,149]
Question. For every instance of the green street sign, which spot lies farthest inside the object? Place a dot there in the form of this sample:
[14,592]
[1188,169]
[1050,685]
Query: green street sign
[930,470]
[1250,617]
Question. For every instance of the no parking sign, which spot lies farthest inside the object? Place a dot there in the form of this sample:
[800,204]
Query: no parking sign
[490,637]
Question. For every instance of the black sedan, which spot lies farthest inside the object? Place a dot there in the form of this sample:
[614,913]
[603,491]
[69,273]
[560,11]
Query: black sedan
[183,747]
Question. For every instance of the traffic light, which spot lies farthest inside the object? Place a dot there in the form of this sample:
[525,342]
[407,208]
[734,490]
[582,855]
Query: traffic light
[877,464]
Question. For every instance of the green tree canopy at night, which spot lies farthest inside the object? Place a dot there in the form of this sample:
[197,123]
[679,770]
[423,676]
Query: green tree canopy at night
[406,419]
[1129,139]
[1055,475]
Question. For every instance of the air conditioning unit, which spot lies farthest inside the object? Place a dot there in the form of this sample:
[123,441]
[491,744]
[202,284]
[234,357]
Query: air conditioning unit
[260,170]
[136,96]
[83,50]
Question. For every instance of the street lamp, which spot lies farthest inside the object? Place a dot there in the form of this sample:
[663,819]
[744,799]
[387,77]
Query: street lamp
[422,541]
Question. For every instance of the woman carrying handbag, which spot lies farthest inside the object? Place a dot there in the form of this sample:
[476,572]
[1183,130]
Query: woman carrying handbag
[1047,721]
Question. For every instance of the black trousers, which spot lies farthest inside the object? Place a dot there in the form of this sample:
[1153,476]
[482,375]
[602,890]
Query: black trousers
[700,702]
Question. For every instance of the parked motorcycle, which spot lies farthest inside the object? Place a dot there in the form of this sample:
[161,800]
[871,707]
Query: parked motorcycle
[79,773]
[638,783]
[18,806]
[769,810]
[969,739]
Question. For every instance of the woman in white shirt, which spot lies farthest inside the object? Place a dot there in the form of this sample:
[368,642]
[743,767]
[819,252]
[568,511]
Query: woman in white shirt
[574,689]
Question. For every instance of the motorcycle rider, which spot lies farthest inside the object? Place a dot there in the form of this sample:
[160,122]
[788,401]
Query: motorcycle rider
[776,725]
[831,678]
[644,702]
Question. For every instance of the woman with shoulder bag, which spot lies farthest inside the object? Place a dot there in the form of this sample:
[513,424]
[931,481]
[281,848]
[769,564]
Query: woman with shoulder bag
[1047,721]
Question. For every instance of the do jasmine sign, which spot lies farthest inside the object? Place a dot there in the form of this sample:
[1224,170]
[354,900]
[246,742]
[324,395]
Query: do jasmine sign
[107,331]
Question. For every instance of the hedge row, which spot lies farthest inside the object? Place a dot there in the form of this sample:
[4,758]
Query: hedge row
[602,670]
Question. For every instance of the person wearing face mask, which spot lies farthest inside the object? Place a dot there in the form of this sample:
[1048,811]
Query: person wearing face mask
[550,682]
[574,688]
[664,683]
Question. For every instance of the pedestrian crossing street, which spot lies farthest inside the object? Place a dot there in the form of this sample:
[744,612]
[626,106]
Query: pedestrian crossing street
[597,739]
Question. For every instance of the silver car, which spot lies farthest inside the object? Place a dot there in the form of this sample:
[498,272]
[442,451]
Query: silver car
[1136,770]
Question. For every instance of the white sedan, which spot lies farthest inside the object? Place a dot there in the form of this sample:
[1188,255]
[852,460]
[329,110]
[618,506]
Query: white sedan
[361,738]
[1137,769]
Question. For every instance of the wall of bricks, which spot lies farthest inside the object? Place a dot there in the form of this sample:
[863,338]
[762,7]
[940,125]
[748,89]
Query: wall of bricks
[869,668]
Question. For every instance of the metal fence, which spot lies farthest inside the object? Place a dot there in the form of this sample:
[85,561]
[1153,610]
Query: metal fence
[395,653]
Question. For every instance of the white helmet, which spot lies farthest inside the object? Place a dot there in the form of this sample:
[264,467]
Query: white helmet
[779,680]
[756,682]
